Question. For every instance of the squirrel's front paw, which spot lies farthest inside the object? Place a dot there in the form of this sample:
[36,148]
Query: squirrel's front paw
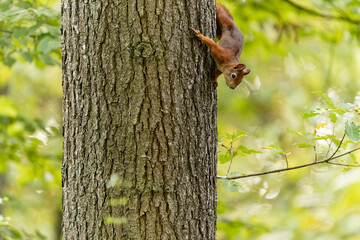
[198,34]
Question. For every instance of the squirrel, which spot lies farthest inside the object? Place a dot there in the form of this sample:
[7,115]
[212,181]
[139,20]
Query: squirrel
[227,52]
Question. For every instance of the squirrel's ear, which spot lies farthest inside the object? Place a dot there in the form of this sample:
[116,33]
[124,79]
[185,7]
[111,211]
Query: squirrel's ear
[240,66]
[246,71]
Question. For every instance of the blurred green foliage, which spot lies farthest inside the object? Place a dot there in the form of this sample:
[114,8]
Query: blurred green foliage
[322,141]
[30,32]
[293,48]
[30,120]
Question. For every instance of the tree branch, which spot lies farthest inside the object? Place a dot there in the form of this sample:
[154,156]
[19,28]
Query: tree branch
[344,164]
[324,15]
[327,160]
[337,149]
[5,31]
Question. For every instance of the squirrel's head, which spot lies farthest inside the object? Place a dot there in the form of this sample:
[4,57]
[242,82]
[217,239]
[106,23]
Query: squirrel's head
[234,74]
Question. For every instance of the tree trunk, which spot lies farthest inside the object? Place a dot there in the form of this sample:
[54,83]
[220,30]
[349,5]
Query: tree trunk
[139,106]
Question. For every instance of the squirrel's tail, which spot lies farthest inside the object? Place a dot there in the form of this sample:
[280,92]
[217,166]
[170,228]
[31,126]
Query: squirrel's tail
[224,19]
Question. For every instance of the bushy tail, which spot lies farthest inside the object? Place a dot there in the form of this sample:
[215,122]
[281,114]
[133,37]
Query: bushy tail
[224,19]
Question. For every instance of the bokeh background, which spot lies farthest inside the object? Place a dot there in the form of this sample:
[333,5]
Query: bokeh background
[292,47]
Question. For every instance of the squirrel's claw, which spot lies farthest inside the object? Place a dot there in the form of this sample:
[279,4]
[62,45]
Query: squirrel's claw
[215,84]
[196,32]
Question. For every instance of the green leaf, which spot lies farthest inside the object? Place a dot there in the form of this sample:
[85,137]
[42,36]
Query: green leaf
[19,32]
[224,158]
[326,100]
[235,135]
[40,235]
[333,117]
[17,15]
[54,31]
[310,114]
[354,158]
[9,61]
[297,133]
[304,145]
[352,131]
[230,185]
[336,141]
[8,107]
[323,95]
[316,137]
[245,150]
[276,149]
[48,60]
[340,111]
[33,29]
[27,56]
[47,44]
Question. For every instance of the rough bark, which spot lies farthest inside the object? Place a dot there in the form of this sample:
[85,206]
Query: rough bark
[139,103]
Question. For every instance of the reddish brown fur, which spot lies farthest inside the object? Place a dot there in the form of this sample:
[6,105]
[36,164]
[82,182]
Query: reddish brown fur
[227,52]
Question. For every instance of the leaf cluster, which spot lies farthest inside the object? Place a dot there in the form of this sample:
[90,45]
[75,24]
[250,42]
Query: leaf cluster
[22,141]
[342,115]
[29,32]
[11,233]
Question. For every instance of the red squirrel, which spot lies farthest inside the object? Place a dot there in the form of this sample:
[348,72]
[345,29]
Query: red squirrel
[227,52]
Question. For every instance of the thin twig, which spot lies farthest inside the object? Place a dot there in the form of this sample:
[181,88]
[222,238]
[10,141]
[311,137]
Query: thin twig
[287,162]
[343,164]
[337,149]
[232,156]
[333,133]
[291,168]
[225,147]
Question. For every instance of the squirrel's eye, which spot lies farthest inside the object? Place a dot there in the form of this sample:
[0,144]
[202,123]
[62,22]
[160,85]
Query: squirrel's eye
[233,75]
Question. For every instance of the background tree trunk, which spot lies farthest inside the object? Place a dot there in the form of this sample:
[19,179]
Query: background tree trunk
[139,103]
[2,187]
